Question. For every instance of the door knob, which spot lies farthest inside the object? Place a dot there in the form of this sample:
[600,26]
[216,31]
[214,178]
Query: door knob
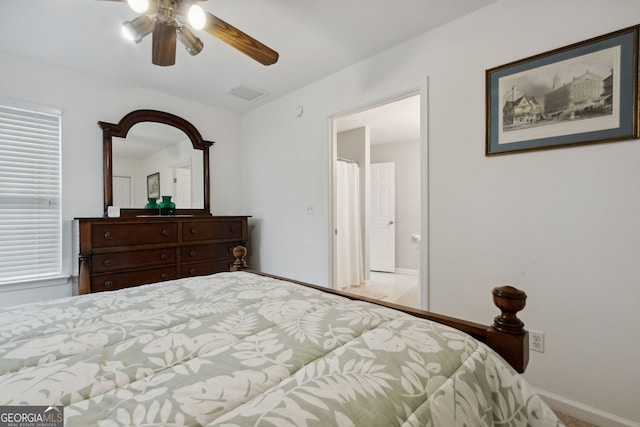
[391,222]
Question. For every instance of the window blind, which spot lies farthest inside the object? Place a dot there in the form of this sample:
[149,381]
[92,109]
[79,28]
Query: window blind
[30,208]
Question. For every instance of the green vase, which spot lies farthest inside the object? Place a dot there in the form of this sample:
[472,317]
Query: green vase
[166,206]
[153,203]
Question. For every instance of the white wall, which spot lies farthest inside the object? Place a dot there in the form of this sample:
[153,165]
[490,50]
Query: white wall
[85,100]
[563,225]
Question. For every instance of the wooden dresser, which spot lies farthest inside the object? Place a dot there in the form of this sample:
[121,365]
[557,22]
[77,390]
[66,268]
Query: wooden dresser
[117,253]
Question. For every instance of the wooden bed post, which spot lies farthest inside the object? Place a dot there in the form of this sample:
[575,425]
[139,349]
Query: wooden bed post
[84,277]
[507,335]
[239,264]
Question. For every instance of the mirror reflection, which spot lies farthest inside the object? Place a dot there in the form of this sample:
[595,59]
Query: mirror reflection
[154,148]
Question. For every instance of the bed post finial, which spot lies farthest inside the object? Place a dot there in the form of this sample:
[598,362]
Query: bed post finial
[510,301]
[507,334]
[239,264]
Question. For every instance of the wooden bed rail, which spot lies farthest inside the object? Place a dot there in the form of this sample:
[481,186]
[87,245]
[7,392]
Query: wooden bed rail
[506,335]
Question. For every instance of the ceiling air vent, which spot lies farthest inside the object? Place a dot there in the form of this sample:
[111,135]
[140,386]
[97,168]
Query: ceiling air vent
[247,93]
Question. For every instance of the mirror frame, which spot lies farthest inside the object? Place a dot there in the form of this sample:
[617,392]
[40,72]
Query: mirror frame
[120,130]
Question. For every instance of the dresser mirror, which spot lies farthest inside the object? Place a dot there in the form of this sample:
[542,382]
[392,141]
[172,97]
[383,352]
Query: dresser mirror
[149,154]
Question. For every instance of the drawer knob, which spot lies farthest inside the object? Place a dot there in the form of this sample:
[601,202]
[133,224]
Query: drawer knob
[107,262]
[164,257]
[165,233]
[164,276]
[193,271]
[232,229]
[108,284]
[194,231]
[193,254]
[108,235]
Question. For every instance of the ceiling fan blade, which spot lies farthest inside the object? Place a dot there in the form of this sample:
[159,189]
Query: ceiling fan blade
[164,44]
[239,40]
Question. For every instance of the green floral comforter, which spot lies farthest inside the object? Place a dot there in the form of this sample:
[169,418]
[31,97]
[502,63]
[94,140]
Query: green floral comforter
[238,349]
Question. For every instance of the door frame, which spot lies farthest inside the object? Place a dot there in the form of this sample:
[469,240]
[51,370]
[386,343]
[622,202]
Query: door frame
[422,91]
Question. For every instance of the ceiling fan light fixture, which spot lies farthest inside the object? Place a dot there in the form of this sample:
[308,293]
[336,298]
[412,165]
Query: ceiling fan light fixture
[197,17]
[139,6]
[193,44]
[169,20]
[163,47]
[138,28]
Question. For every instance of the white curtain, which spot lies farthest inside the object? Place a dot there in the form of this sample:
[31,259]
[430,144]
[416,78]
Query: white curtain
[350,265]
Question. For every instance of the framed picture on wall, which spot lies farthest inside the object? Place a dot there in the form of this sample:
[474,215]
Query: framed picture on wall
[153,186]
[584,93]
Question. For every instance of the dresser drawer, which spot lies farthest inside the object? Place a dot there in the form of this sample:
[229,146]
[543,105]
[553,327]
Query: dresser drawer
[110,282]
[133,259]
[205,267]
[109,235]
[194,253]
[212,230]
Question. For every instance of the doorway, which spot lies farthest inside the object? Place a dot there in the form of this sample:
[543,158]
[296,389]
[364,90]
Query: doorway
[383,138]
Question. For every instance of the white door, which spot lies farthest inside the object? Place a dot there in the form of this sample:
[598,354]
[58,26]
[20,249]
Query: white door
[122,192]
[182,192]
[383,211]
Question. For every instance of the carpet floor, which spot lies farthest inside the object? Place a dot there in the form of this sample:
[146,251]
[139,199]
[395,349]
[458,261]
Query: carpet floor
[570,421]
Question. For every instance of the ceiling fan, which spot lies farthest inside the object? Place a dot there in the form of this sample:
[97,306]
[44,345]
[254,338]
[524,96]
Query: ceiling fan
[171,20]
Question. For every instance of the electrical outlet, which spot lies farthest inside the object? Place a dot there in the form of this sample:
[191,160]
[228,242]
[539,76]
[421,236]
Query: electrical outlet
[311,209]
[536,341]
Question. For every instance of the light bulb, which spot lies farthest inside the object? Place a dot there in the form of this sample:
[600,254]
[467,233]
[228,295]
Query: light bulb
[137,29]
[128,34]
[197,17]
[139,6]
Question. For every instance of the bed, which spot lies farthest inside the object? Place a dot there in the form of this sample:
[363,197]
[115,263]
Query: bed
[242,349]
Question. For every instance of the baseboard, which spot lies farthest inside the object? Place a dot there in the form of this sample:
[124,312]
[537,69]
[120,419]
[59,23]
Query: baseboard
[407,271]
[584,412]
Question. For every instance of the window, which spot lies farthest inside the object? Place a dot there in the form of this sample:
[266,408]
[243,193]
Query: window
[30,211]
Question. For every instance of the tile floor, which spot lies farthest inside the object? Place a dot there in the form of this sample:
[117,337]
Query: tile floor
[393,287]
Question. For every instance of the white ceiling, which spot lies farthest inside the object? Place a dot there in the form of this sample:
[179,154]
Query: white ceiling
[397,121]
[314,39]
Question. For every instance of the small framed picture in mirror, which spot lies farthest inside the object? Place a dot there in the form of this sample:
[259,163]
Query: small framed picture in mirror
[153,186]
